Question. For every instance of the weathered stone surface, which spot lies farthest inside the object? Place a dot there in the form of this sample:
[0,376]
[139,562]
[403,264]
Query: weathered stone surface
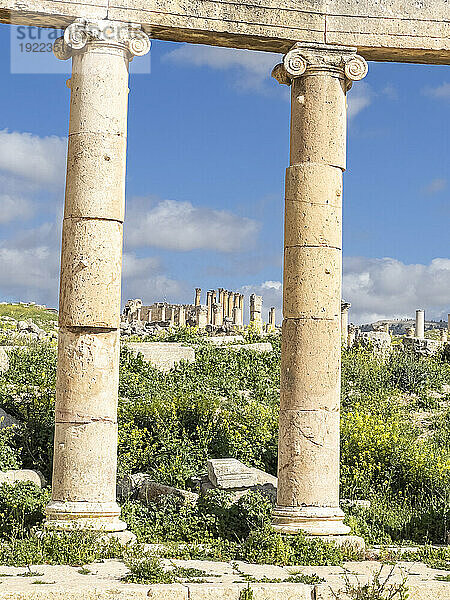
[175,591]
[220,340]
[7,420]
[422,346]
[233,476]
[16,475]
[163,355]
[389,30]
[379,341]
[145,489]
[256,347]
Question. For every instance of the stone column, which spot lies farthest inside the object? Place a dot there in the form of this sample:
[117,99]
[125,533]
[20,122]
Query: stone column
[201,316]
[230,304]
[255,311]
[163,311]
[85,450]
[271,323]
[420,324]
[241,306]
[217,314]
[308,457]
[344,322]
[225,303]
[198,292]
[209,301]
[182,316]
[448,324]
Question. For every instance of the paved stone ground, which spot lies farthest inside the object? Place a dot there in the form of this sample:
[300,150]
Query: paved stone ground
[225,582]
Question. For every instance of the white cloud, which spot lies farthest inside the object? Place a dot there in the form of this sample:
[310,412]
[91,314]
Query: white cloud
[380,288]
[435,186]
[440,91]
[387,288]
[143,278]
[253,69]
[38,160]
[12,208]
[181,226]
[359,98]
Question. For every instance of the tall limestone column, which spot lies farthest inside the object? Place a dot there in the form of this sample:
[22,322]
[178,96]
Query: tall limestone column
[420,324]
[308,457]
[85,451]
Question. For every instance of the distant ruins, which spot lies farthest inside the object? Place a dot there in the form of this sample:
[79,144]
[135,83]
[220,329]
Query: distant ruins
[223,312]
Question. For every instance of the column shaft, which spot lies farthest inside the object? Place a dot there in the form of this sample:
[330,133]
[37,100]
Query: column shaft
[308,458]
[85,450]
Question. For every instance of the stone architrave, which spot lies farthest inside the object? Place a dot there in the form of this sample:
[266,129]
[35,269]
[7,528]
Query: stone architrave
[85,449]
[308,456]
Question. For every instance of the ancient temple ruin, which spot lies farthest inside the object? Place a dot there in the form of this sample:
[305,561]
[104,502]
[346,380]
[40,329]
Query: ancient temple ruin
[223,309]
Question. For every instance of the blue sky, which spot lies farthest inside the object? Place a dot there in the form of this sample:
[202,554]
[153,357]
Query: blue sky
[208,144]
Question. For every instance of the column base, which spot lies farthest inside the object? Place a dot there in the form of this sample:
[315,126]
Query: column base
[96,516]
[311,520]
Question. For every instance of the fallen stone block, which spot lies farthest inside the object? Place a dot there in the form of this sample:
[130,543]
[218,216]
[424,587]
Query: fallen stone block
[220,340]
[7,420]
[257,347]
[163,355]
[379,341]
[16,475]
[144,488]
[232,475]
[422,346]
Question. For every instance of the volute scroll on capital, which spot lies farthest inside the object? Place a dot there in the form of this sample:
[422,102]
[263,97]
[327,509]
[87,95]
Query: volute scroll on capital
[313,59]
[114,33]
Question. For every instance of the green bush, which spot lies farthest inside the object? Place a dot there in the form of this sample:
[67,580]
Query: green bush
[21,508]
[9,454]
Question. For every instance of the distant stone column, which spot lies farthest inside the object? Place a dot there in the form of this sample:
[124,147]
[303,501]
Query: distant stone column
[230,304]
[344,322]
[308,456]
[271,322]
[202,316]
[241,306]
[209,301]
[220,299]
[163,312]
[420,324]
[217,314]
[225,303]
[255,311]
[85,448]
[448,324]
[198,293]
[182,316]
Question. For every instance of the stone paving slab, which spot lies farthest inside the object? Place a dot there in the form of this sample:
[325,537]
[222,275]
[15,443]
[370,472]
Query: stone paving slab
[225,582]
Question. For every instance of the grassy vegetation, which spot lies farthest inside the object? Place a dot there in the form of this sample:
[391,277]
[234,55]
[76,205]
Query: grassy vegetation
[20,312]
[395,452]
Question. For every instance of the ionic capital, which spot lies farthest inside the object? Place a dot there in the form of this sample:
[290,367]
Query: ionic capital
[310,59]
[81,32]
